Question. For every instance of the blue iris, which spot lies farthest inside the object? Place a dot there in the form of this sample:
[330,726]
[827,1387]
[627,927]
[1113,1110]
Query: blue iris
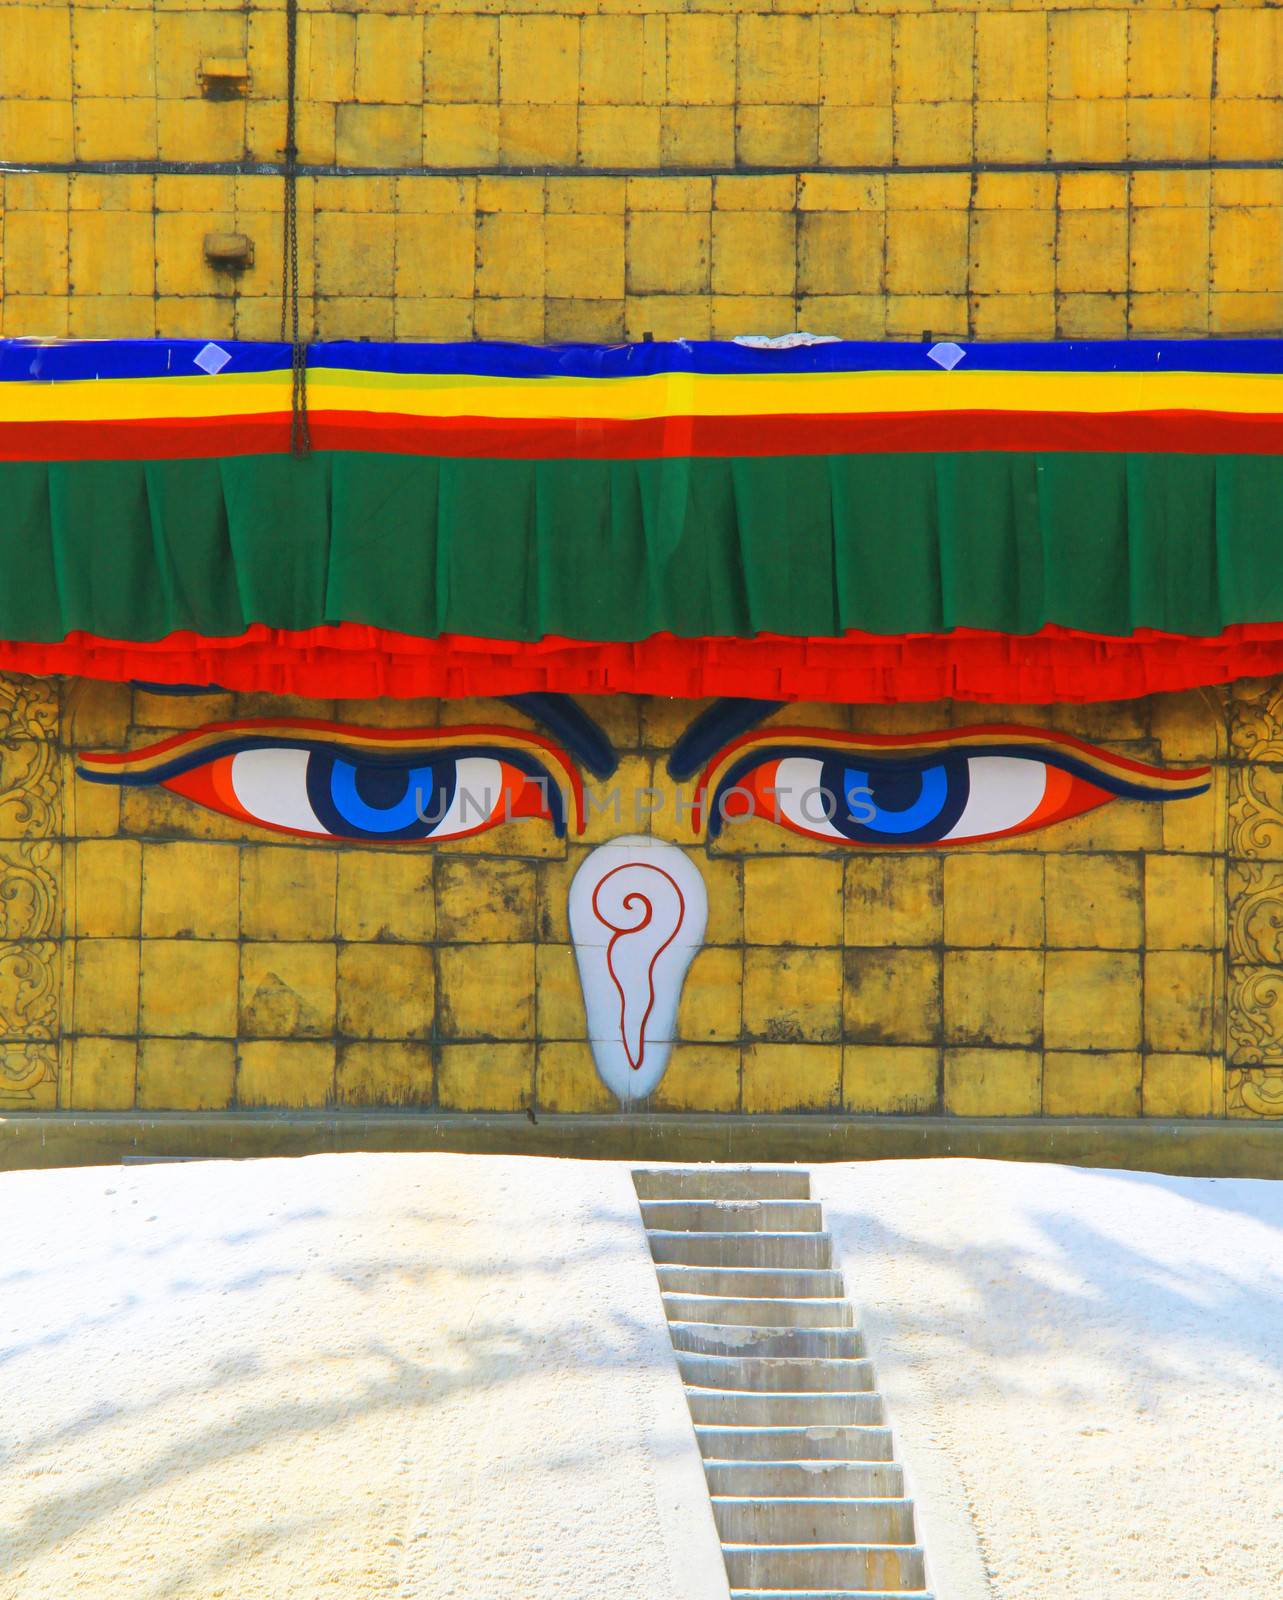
[897,802]
[379,800]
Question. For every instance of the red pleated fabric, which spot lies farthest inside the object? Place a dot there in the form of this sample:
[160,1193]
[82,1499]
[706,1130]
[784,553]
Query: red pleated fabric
[349,661]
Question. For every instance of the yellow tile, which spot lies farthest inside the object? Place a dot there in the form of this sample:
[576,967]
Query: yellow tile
[93,809]
[461,58]
[1181,1086]
[486,991]
[1093,1000]
[1179,1000]
[35,258]
[700,1077]
[701,60]
[485,901]
[993,900]
[389,59]
[511,194]
[95,715]
[114,251]
[102,1074]
[855,60]
[890,1078]
[1169,312]
[1182,897]
[1091,316]
[1088,55]
[1094,902]
[1170,53]
[35,63]
[517,320]
[1169,130]
[934,52]
[461,135]
[1091,252]
[891,996]
[384,1074]
[201,130]
[188,987]
[856,136]
[112,191]
[434,319]
[792,994]
[697,136]
[1092,191]
[992,1083]
[327,56]
[34,316]
[1013,252]
[510,255]
[386,895]
[292,1074]
[114,52]
[594,196]
[793,900]
[1246,245]
[114,130]
[287,892]
[108,888]
[669,194]
[777,136]
[618,136]
[386,991]
[668,252]
[1101,1083]
[558,997]
[1011,131]
[993,996]
[106,986]
[754,253]
[893,900]
[779,59]
[667,316]
[1011,55]
[566,1079]
[373,136]
[1245,313]
[584,321]
[613,63]
[354,253]
[1245,130]
[435,256]
[792,1077]
[840,252]
[926,252]
[288,990]
[542,136]
[1249,53]
[711,997]
[37,130]
[1087,130]
[186,1074]
[931,135]
[855,316]
[538,60]
[485,1077]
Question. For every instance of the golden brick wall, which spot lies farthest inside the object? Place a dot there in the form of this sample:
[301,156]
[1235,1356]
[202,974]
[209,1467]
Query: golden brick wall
[190,963]
[696,171]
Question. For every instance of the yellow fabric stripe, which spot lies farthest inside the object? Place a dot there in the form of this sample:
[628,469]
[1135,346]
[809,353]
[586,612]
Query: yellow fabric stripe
[626,399]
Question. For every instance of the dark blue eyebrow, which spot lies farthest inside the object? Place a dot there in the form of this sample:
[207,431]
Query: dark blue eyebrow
[566,720]
[721,722]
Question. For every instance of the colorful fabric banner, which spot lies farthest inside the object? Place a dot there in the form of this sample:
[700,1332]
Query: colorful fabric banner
[846,521]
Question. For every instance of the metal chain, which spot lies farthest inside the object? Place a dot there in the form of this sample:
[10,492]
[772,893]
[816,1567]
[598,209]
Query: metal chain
[300,438]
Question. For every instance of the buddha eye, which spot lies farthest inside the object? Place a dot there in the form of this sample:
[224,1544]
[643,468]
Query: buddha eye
[320,781]
[953,788]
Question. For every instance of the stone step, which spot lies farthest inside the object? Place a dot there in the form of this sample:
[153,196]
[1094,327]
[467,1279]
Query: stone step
[830,1594]
[827,1480]
[733,1216]
[731,1249]
[786,1408]
[826,1568]
[722,1183]
[755,1520]
[769,1313]
[752,1282]
[769,1373]
[738,1339]
[816,1443]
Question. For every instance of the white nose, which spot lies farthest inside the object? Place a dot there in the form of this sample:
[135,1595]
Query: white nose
[638,909]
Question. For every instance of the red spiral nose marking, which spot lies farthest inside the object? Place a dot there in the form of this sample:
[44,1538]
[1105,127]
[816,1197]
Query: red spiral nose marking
[631,899]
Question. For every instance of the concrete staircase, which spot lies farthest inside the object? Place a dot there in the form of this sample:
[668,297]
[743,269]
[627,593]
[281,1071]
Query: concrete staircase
[807,1497]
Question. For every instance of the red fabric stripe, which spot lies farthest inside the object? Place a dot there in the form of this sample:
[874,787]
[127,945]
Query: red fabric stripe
[587,439]
[350,661]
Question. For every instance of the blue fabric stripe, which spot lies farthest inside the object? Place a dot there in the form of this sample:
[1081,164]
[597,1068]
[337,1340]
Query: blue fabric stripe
[34,361]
